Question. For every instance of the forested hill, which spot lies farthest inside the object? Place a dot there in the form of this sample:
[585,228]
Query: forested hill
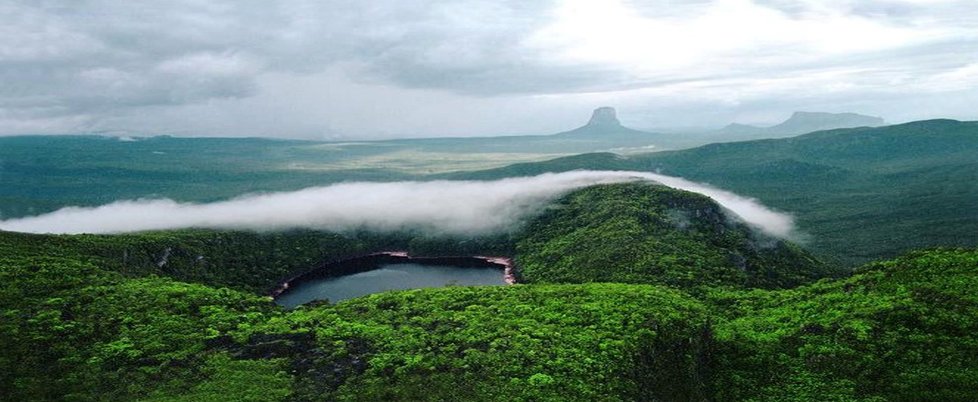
[75,326]
[644,233]
[860,193]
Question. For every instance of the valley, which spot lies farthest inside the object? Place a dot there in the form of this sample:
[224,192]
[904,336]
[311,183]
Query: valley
[489,201]
[851,190]
[626,289]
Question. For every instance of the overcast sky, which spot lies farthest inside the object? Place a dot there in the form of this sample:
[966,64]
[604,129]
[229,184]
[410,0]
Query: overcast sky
[402,68]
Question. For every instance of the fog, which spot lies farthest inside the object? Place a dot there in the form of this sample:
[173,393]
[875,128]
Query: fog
[446,207]
[337,69]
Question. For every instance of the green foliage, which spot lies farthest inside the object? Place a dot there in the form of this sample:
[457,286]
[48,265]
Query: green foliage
[77,324]
[42,173]
[862,193]
[72,330]
[594,342]
[897,330]
[178,316]
[852,189]
[642,233]
[247,261]
[228,379]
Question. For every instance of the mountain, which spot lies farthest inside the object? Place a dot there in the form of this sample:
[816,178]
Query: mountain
[801,123]
[75,317]
[604,125]
[741,129]
[860,193]
[41,174]
[807,122]
[672,237]
[852,190]
[604,116]
[89,317]
[603,132]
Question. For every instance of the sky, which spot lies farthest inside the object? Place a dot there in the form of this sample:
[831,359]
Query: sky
[323,69]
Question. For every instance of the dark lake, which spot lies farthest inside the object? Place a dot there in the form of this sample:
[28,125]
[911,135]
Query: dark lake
[382,276]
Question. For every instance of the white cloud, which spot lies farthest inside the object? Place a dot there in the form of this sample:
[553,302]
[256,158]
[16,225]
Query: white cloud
[209,63]
[455,207]
[117,66]
[711,37]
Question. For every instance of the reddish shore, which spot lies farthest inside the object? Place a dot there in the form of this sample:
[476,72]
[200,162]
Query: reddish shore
[509,276]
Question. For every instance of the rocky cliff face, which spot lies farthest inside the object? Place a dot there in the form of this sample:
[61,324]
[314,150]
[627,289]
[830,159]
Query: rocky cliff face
[604,117]
[604,126]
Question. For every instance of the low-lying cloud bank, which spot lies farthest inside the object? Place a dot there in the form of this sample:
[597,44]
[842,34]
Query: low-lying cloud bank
[452,207]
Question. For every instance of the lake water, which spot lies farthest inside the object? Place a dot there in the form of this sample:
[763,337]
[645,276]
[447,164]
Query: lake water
[387,277]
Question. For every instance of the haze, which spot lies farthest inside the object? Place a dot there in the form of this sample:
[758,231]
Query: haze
[449,207]
[337,69]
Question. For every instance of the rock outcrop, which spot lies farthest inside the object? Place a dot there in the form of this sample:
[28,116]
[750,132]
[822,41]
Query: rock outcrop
[604,116]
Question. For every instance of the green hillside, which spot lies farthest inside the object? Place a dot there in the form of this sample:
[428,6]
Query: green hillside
[100,318]
[642,233]
[860,193]
[630,291]
[245,261]
[898,330]
[39,174]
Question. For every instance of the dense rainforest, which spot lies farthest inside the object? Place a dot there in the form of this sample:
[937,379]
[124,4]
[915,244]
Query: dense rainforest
[861,193]
[708,309]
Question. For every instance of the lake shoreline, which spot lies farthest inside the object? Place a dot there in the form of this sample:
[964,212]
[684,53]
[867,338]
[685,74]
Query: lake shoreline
[367,262]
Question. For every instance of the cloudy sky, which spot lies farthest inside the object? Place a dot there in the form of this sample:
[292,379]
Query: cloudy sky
[325,69]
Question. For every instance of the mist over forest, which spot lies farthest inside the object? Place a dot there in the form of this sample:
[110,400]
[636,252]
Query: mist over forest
[571,200]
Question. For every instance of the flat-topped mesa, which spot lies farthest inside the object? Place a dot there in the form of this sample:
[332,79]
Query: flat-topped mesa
[604,117]
[604,132]
[803,122]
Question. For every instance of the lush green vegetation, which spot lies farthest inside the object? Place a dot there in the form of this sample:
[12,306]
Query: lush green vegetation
[897,330]
[74,328]
[104,317]
[861,194]
[852,190]
[40,174]
[71,331]
[643,233]
[246,261]
[596,342]
[708,309]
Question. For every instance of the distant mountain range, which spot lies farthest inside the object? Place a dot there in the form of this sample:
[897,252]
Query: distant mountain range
[861,193]
[852,189]
[604,132]
[803,123]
